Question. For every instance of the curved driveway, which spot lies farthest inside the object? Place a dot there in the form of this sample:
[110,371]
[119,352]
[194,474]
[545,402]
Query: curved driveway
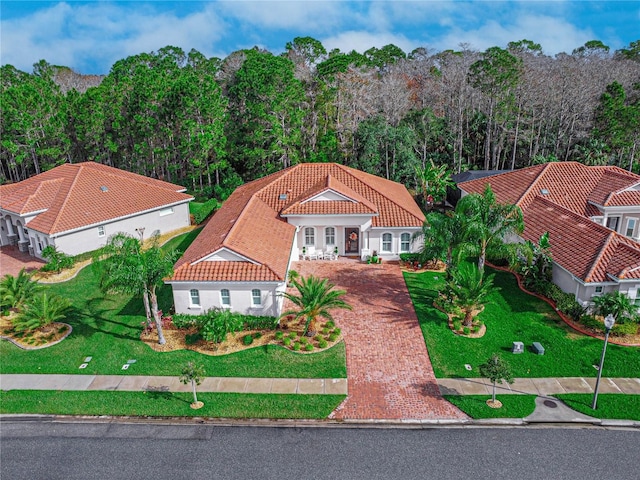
[388,367]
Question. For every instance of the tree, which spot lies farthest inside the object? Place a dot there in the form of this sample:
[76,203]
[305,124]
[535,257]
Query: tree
[16,291]
[496,370]
[315,298]
[488,222]
[434,181]
[192,373]
[441,234]
[40,311]
[537,269]
[56,260]
[125,266]
[618,305]
[469,289]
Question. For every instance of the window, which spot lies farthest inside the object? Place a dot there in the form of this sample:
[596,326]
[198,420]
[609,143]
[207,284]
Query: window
[631,226]
[166,211]
[612,223]
[309,236]
[195,297]
[329,236]
[256,298]
[405,242]
[101,231]
[386,242]
[225,297]
[599,290]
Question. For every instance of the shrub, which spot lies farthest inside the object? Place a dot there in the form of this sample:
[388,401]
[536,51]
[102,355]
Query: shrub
[56,260]
[466,330]
[333,337]
[322,343]
[303,340]
[192,338]
[457,325]
[247,339]
[410,257]
[325,331]
[183,320]
[622,329]
[201,212]
[259,323]
[590,321]
[279,335]
[330,324]
[257,335]
[286,342]
[216,324]
[308,347]
[297,346]
[337,331]
[293,335]
[475,328]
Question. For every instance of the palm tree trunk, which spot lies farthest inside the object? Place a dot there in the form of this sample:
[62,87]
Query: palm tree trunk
[156,316]
[468,318]
[193,386]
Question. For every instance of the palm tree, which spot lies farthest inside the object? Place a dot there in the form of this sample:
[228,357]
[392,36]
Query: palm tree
[469,288]
[314,299]
[433,183]
[442,234]
[16,291]
[488,222]
[41,310]
[618,305]
[124,266]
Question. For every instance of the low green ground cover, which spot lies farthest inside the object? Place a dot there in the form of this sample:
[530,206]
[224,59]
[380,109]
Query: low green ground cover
[610,405]
[168,404]
[512,315]
[513,406]
[107,328]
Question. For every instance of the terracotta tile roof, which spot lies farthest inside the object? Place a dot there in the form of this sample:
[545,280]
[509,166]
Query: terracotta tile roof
[82,194]
[250,222]
[589,251]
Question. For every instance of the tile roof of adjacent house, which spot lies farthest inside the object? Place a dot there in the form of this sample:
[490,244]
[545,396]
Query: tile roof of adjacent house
[251,224]
[73,196]
[559,198]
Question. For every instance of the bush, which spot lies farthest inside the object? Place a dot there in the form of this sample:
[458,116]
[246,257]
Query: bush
[201,212]
[279,335]
[325,331]
[333,337]
[247,339]
[337,331]
[192,338]
[457,325]
[303,340]
[183,320]
[330,324]
[590,321]
[322,343]
[466,330]
[257,335]
[216,324]
[297,346]
[56,260]
[622,329]
[259,323]
[286,342]
[409,257]
[308,347]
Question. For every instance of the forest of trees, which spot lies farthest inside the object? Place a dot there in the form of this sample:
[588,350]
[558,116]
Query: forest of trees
[211,124]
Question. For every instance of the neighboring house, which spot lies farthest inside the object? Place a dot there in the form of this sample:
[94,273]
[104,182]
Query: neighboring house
[76,207]
[241,258]
[592,215]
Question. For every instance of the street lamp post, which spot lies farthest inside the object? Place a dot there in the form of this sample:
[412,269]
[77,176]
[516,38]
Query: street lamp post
[609,321]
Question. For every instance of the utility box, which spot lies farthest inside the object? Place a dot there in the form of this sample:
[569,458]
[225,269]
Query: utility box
[537,348]
[518,347]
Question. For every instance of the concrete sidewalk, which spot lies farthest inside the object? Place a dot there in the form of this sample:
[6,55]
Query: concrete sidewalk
[122,383]
[539,386]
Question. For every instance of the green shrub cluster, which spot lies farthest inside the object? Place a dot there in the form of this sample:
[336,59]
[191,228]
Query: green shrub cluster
[565,302]
[56,260]
[215,324]
[259,323]
[409,257]
[184,320]
[247,339]
[201,212]
[618,330]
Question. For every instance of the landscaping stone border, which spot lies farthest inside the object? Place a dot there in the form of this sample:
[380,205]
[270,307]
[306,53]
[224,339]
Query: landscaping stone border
[39,347]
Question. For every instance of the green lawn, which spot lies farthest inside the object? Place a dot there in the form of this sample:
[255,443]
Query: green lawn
[107,328]
[512,315]
[513,406]
[610,405]
[168,404]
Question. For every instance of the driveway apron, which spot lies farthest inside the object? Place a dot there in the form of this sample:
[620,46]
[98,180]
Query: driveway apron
[388,367]
[12,261]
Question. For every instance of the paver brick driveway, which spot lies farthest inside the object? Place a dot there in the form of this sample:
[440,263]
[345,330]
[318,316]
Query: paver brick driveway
[12,261]
[389,372]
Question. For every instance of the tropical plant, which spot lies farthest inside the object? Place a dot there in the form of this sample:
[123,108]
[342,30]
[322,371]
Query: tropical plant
[192,373]
[124,266]
[537,266]
[56,260]
[468,288]
[488,223]
[217,323]
[41,310]
[618,305]
[315,298]
[15,291]
[496,370]
[433,182]
[441,236]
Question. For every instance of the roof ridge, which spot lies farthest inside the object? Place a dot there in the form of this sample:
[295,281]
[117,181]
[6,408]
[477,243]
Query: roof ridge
[76,175]
[598,258]
[536,180]
[235,226]
[348,171]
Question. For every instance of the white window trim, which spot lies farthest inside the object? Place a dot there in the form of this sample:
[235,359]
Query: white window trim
[326,237]
[382,250]
[101,231]
[253,304]
[166,211]
[222,304]
[304,234]
[192,305]
[635,226]
[408,250]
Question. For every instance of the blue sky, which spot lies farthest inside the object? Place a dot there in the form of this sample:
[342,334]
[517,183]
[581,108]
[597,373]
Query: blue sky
[89,36]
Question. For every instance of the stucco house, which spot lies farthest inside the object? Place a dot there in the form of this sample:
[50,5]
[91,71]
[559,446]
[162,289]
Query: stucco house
[76,207]
[592,214]
[241,258]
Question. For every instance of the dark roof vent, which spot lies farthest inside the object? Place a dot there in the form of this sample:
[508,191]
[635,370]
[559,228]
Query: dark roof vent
[544,191]
[104,189]
[283,196]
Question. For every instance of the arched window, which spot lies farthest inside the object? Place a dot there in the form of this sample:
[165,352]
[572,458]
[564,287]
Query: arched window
[225,297]
[195,297]
[310,236]
[386,242]
[405,242]
[256,298]
[329,236]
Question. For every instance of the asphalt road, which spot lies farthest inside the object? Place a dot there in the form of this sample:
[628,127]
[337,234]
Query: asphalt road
[86,451]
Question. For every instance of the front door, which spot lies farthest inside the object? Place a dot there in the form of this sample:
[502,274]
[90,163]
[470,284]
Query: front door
[351,241]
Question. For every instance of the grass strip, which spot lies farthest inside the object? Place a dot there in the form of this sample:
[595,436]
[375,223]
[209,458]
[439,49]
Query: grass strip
[612,406]
[512,315]
[513,406]
[168,404]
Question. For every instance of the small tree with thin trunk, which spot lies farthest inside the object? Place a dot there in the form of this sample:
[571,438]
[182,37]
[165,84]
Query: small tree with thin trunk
[192,373]
[496,370]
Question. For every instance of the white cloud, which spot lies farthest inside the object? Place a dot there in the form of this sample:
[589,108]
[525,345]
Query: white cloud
[362,41]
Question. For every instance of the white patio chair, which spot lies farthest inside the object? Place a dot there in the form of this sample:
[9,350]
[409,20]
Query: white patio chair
[329,255]
[312,254]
